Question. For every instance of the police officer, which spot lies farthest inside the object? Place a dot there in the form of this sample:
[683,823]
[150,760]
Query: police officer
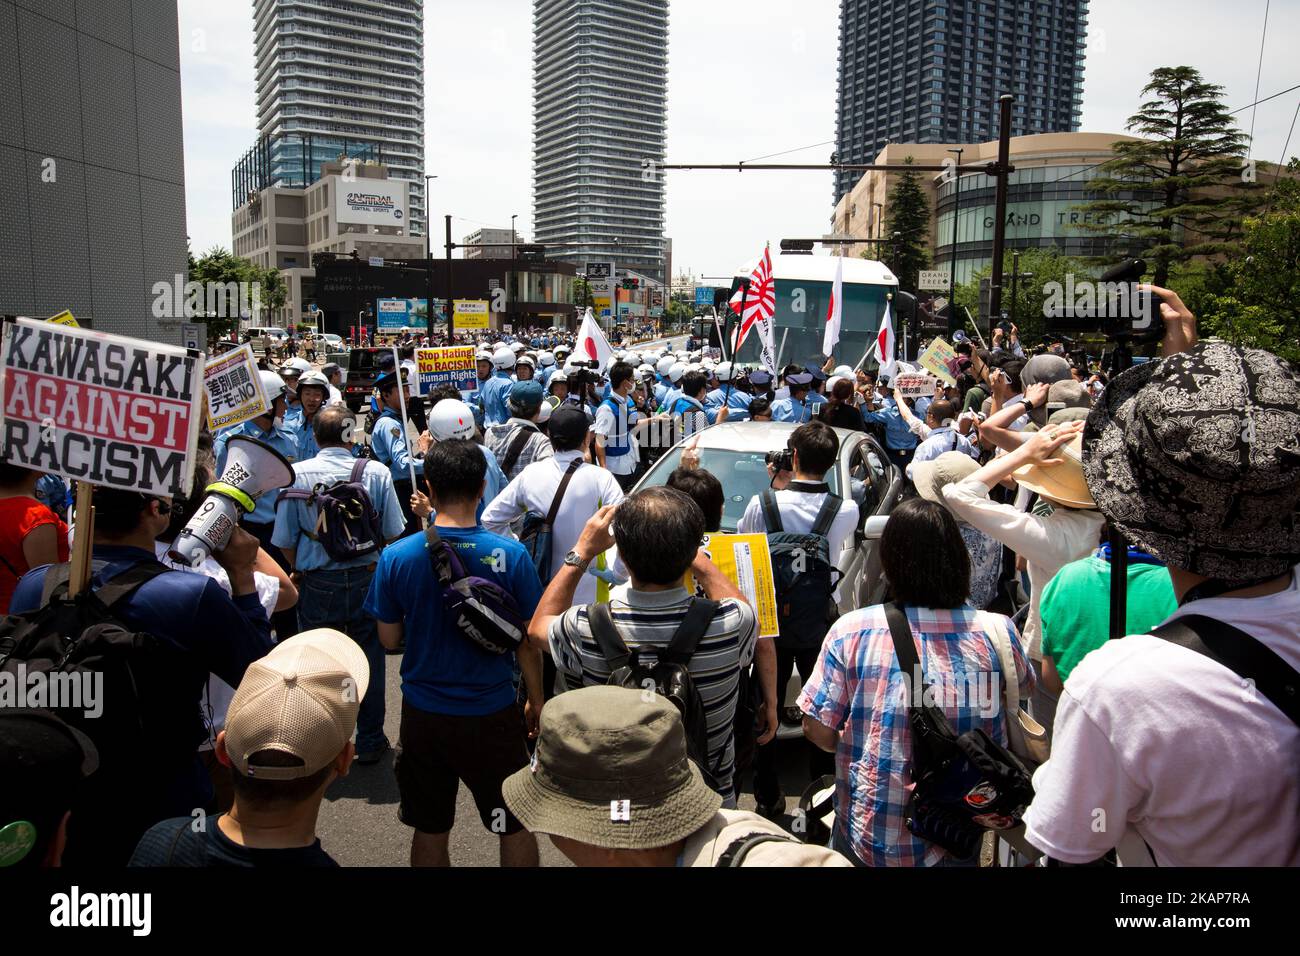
[388,446]
[797,408]
[736,397]
[493,393]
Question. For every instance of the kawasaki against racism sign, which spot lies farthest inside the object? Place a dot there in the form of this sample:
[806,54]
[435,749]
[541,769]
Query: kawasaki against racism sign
[100,408]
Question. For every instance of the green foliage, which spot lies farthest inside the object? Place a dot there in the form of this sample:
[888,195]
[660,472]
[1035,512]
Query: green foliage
[1254,298]
[221,266]
[1191,159]
[1047,266]
[909,228]
[581,291]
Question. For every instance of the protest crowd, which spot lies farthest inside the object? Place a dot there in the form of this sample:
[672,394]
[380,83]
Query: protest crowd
[573,654]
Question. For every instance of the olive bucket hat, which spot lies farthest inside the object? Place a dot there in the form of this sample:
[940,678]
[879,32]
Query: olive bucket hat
[1192,458]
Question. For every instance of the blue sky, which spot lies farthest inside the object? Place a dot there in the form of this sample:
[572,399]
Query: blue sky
[746,78]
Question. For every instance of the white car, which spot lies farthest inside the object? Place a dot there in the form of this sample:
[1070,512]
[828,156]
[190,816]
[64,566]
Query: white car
[735,452]
[334,343]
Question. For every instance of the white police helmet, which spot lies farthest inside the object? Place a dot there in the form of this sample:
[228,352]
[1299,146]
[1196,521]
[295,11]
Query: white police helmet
[451,418]
[546,359]
[503,357]
[676,372]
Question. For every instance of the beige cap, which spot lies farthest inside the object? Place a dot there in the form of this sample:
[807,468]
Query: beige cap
[301,699]
[931,476]
[1063,483]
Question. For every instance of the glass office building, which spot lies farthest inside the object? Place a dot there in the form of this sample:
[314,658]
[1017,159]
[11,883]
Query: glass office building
[931,71]
[600,77]
[331,73]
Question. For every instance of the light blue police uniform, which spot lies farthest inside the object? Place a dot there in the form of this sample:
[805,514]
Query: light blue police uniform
[492,396]
[294,518]
[282,438]
[389,447]
[792,410]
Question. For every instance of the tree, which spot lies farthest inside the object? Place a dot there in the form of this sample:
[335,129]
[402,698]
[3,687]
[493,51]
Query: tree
[909,227]
[220,266]
[1191,159]
[581,292]
[1254,299]
[1049,268]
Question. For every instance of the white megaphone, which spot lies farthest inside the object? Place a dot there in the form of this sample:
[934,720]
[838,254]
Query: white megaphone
[252,469]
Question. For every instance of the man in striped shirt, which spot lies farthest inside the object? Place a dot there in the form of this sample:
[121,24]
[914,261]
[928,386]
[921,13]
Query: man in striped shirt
[658,534]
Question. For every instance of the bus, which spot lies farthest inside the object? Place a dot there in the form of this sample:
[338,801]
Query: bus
[803,292]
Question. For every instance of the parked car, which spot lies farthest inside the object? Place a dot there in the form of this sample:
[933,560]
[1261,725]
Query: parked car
[735,452]
[363,369]
[334,343]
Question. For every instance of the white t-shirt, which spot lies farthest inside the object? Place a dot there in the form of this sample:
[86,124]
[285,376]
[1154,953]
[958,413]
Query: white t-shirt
[798,511]
[533,489]
[1157,741]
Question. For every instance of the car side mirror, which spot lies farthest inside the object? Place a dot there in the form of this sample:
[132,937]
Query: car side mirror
[875,527]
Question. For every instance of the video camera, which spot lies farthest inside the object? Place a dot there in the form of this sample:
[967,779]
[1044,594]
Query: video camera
[1111,305]
[782,460]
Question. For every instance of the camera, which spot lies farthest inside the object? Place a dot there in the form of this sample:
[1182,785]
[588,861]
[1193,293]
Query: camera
[782,460]
[1111,305]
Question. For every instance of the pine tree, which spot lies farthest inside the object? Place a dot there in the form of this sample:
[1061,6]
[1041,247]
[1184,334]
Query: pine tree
[1191,159]
[908,229]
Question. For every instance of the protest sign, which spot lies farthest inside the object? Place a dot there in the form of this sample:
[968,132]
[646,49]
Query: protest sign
[446,366]
[99,408]
[471,313]
[234,388]
[936,359]
[914,385]
[64,318]
[747,563]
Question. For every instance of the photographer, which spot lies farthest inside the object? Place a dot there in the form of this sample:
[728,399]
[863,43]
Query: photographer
[811,453]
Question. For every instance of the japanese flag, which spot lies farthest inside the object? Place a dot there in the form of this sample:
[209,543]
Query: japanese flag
[592,346]
[885,346]
[835,310]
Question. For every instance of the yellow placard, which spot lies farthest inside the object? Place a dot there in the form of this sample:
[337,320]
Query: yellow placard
[935,360]
[64,318]
[471,313]
[747,563]
[233,387]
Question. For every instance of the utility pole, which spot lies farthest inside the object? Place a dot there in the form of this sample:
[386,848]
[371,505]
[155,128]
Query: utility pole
[1004,169]
[451,322]
[952,275]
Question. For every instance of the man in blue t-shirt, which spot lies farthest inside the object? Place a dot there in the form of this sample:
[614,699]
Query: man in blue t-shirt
[460,718]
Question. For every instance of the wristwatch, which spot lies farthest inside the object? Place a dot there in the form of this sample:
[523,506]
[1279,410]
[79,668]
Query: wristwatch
[575,560]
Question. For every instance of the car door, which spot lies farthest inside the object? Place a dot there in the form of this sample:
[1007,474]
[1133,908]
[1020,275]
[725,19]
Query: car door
[860,485]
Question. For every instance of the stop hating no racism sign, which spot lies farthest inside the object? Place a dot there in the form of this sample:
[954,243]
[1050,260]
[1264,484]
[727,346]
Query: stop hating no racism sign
[100,408]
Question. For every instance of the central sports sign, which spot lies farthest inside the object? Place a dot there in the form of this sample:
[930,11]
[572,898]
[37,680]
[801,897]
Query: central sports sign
[453,366]
[99,408]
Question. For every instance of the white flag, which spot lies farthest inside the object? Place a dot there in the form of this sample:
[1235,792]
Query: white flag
[592,345]
[835,311]
[885,345]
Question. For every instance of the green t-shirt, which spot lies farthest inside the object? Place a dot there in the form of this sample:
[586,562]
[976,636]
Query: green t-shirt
[1076,607]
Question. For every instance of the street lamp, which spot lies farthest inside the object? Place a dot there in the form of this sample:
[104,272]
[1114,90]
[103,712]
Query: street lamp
[428,261]
[952,275]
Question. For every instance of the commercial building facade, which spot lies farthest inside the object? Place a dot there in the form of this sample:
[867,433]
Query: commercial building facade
[931,71]
[489,243]
[91,166]
[339,72]
[600,73]
[1044,193]
[349,208]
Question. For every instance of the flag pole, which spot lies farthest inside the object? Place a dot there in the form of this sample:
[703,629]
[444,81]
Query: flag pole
[744,295]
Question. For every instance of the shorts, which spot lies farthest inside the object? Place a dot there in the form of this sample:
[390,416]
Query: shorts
[435,752]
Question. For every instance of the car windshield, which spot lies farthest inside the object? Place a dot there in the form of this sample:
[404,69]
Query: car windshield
[743,475]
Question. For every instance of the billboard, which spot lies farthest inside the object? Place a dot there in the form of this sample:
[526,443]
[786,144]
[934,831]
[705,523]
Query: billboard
[392,315]
[470,313]
[371,202]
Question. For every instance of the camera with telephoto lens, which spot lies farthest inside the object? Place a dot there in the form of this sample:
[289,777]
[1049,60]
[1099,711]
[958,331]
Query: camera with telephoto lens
[1112,305]
[782,460]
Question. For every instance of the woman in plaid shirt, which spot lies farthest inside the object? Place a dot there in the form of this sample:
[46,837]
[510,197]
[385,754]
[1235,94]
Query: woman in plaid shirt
[855,701]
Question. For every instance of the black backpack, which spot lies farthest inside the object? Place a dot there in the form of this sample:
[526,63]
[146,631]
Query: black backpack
[670,676]
[347,524]
[804,575]
[482,611]
[963,785]
[141,733]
